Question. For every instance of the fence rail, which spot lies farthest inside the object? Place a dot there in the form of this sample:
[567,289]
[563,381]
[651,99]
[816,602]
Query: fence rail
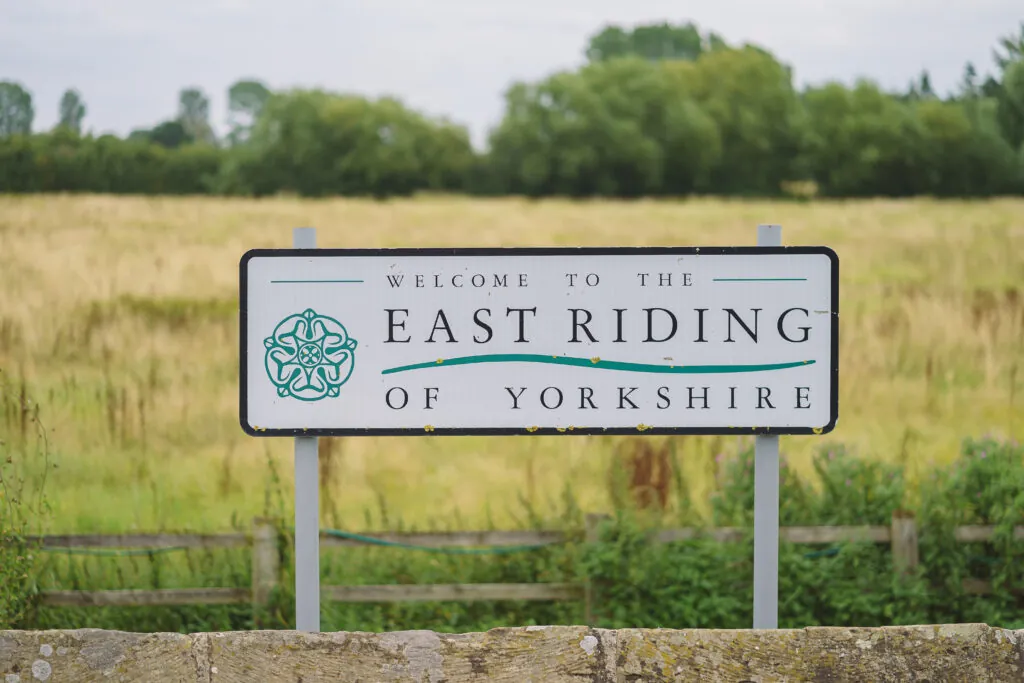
[156,541]
[147,598]
[450,539]
[465,592]
[901,535]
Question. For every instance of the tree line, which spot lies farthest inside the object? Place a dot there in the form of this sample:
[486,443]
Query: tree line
[660,110]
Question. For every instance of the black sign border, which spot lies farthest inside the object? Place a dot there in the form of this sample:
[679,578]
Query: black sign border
[534,251]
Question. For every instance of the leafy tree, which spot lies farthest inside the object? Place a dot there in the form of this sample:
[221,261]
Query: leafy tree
[72,110]
[666,142]
[862,142]
[991,88]
[1011,104]
[1010,50]
[1008,56]
[919,89]
[925,86]
[16,111]
[865,143]
[969,88]
[562,138]
[619,127]
[448,158]
[170,134]
[947,140]
[64,161]
[652,42]
[750,96]
[611,42]
[194,114]
[318,143]
[246,99]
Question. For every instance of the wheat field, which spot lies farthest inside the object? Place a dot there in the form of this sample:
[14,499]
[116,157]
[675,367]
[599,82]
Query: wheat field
[119,319]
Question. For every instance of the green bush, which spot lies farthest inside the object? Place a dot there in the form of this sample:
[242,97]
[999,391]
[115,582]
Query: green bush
[63,161]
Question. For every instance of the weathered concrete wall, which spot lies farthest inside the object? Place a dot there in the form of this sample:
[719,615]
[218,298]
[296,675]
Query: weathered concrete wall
[970,652]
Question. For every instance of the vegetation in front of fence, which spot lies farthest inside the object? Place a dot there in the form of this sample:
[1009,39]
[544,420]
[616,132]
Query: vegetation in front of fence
[636,583]
[700,583]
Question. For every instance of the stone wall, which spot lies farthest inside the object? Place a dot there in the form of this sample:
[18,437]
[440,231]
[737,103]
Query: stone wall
[969,652]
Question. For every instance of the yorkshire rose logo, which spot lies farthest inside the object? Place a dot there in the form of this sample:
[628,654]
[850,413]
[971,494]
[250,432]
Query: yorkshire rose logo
[309,356]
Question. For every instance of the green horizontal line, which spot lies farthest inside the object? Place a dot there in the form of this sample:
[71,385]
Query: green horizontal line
[292,282]
[595,363]
[759,279]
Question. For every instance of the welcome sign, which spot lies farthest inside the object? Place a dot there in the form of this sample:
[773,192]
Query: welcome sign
[637,340]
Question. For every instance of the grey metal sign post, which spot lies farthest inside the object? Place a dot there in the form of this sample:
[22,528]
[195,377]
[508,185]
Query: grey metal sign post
[766,501]
[307,507]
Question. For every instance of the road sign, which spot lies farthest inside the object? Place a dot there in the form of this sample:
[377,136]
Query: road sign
[637,340]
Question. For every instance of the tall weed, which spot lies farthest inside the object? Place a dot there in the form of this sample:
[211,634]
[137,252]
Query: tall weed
[24,464]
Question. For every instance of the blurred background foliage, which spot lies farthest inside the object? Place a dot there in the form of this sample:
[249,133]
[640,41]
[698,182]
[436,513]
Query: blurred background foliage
[659,110]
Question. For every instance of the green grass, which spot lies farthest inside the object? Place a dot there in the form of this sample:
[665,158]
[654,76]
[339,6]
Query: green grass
[126,335]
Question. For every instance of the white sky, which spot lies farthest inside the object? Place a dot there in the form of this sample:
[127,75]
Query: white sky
[129,58]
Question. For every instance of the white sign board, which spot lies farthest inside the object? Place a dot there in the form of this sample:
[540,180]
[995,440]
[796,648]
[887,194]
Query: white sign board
[637,340]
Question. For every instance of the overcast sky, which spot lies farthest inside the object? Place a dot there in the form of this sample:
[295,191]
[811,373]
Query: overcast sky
[129,58]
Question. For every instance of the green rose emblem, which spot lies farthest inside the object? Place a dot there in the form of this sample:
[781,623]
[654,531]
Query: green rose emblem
[309,356]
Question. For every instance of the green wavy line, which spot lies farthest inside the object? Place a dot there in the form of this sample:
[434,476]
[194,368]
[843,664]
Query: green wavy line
[595,363]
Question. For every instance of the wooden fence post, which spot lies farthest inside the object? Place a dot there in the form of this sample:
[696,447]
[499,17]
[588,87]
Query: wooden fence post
[265,561]
[904,542]
[592,522]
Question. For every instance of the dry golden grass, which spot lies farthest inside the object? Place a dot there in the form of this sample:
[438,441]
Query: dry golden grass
[120,315]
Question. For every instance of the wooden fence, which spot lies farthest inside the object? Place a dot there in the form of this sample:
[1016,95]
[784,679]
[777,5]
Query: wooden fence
[900,535]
